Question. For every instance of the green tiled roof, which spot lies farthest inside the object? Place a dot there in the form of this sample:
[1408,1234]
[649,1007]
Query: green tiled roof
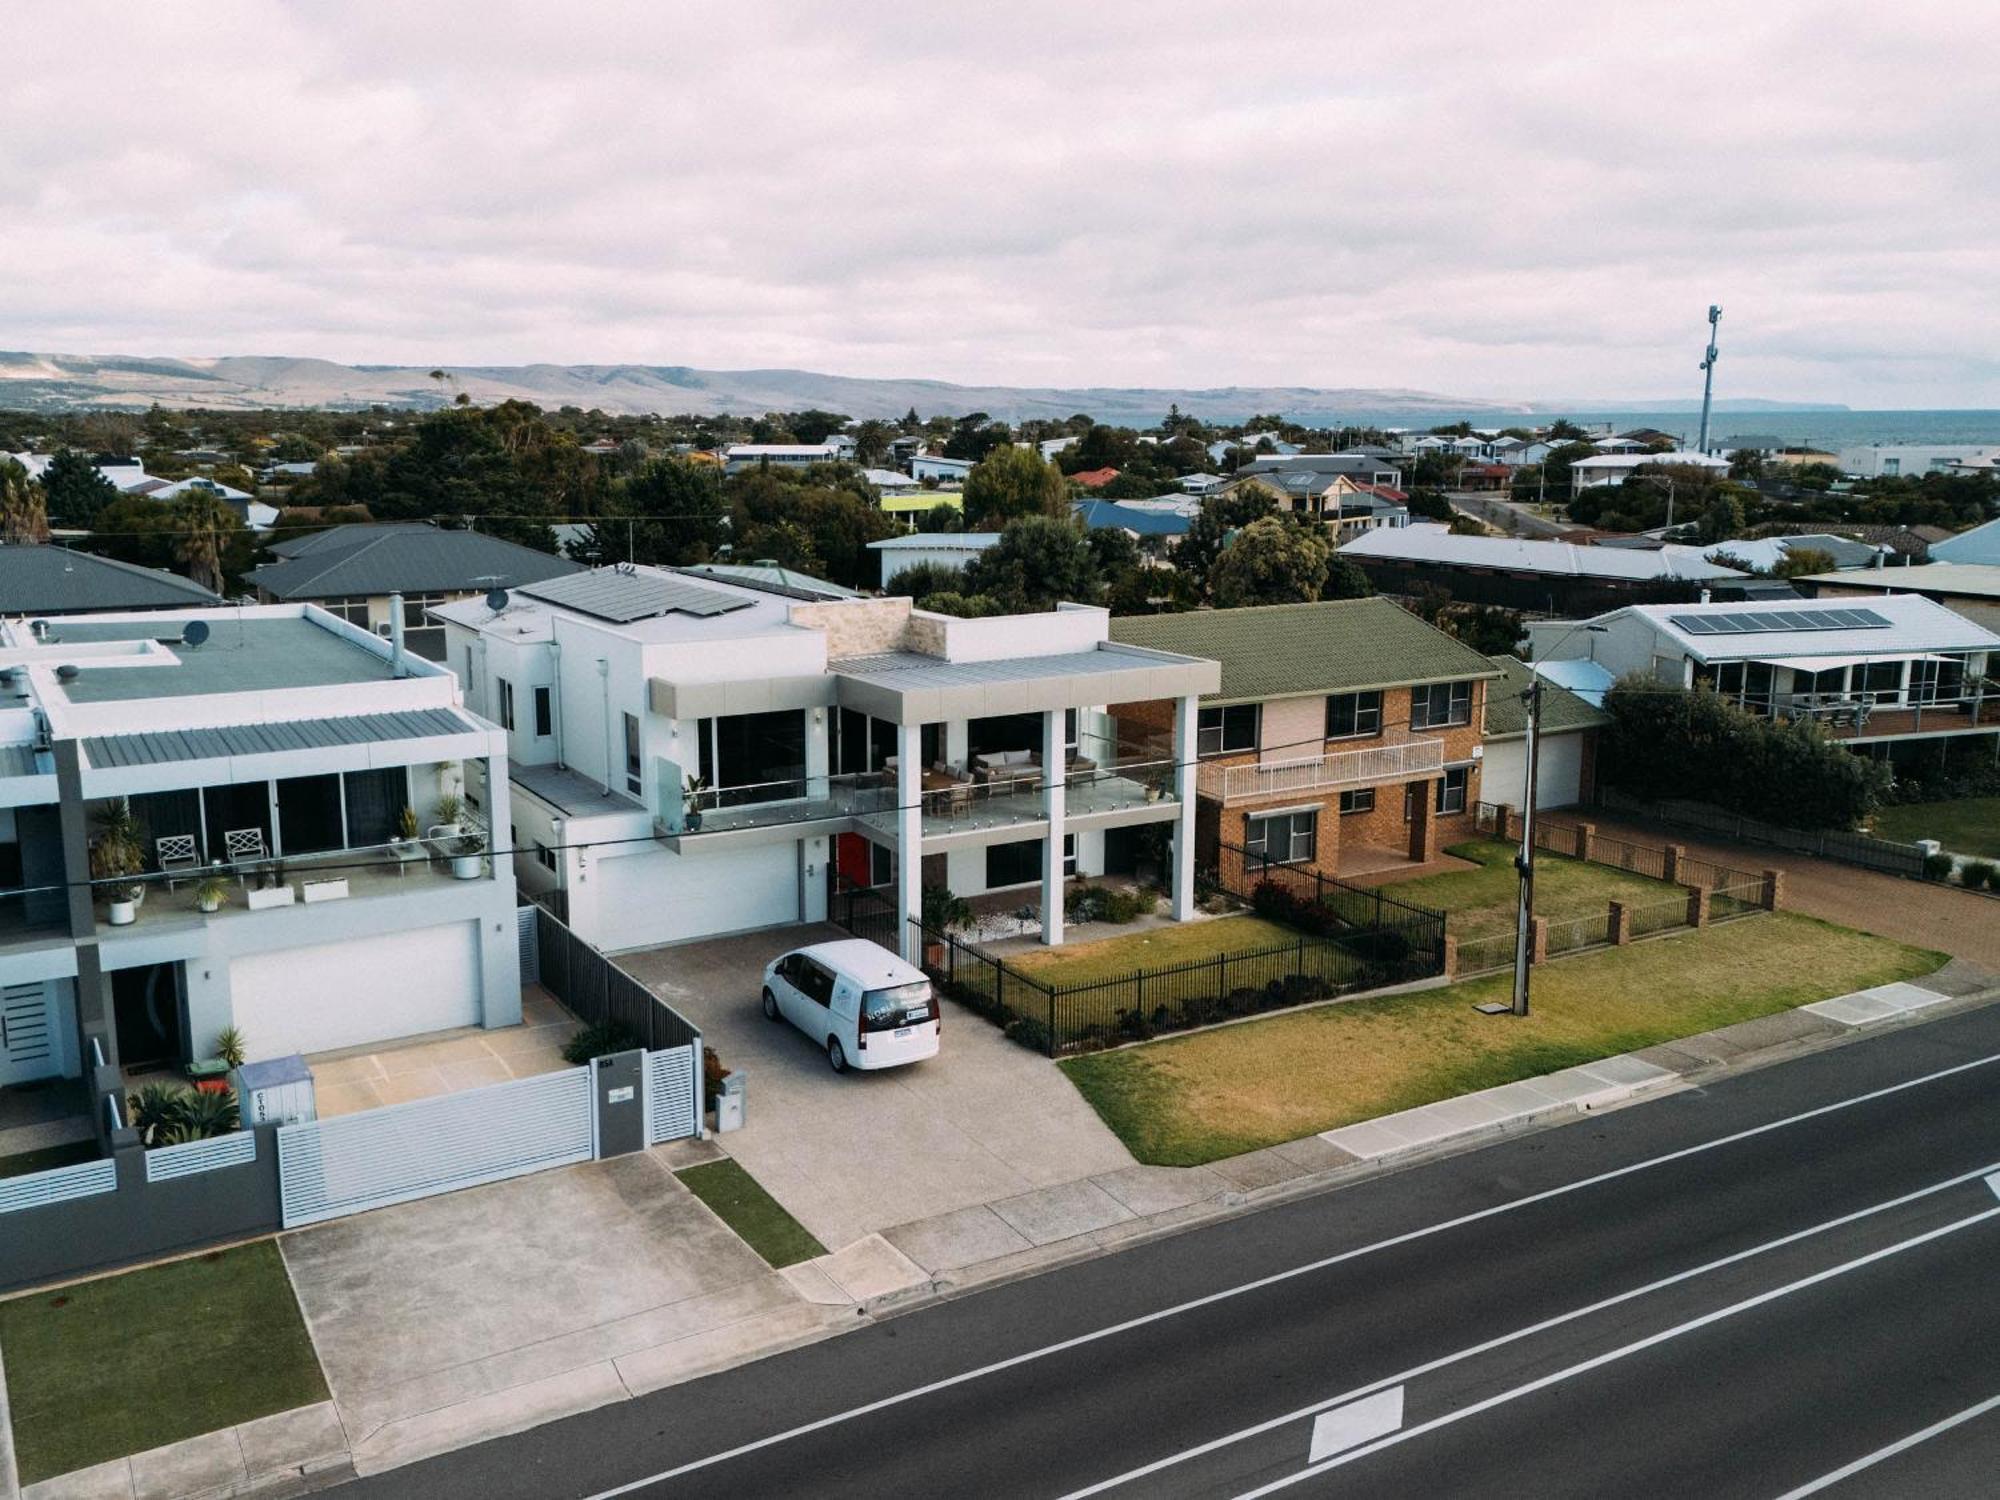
[1291,650]
[1507,715]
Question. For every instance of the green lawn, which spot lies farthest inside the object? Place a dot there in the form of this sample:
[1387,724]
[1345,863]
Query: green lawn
[1970,825]
[1156,948]
[47,1158]
[1197,1098]
[740,1201]
[1482,901]
[125,1363]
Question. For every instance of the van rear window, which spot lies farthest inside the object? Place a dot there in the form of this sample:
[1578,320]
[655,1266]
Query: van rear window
[900,1005]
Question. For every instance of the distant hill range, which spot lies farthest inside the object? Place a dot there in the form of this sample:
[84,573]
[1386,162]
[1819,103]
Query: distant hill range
[67,382]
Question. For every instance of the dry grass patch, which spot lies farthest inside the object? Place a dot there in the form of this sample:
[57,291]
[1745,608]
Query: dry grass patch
[1198,1098]
[1483,900]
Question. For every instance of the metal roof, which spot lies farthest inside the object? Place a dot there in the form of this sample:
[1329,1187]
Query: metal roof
[1434,544]
[569,791]
[621,597]
[1974,580]
[351,561]
[1293,650]
[1915,626]
[18,760]
[50,580]
[161,746]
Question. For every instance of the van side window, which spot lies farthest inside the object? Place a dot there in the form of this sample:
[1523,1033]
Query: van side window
[815,982]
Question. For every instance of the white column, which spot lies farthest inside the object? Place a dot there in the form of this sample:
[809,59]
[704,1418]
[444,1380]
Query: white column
[1185,745]
[1055,766]
[909,837]
[818,753]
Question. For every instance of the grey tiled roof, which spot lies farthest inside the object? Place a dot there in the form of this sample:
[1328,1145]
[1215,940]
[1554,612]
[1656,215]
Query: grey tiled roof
[405,559]
[50,580]
[160,746]
[1293,650]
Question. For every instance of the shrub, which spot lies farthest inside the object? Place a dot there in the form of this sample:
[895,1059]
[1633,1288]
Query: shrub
[165,1114]
[1092,903]
[1027,1032]
[1938,866]
[712,1074]
[1978,874]
[1277,903]
[1379,946]
[600,1040]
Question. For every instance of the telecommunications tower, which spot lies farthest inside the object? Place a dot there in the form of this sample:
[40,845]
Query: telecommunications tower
[1708,377]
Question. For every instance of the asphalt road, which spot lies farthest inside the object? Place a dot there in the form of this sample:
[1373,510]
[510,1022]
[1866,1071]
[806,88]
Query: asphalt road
[1733,1291]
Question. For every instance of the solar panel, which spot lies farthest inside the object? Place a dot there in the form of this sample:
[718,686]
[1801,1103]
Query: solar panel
[1754,621]
[620,597]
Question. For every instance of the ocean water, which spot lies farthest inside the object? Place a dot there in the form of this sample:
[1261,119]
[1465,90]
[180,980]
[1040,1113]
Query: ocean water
[1832,430]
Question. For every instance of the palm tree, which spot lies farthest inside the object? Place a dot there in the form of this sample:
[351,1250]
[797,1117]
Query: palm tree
[24,511]
[204,525]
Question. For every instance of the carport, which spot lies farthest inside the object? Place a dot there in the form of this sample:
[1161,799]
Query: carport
[856,1153]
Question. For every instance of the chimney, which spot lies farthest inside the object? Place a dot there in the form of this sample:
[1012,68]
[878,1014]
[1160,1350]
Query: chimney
[396,634]
[1704,596]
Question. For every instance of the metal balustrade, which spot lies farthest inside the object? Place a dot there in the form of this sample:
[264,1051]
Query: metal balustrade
[1335,770]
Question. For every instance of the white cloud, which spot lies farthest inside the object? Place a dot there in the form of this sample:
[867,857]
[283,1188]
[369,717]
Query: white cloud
[1505,200]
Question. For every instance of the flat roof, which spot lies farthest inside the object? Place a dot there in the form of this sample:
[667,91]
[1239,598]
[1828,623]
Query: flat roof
[1912,626]
[160,746]
[569,792]
[1977,580]
[240,656]
[907,687]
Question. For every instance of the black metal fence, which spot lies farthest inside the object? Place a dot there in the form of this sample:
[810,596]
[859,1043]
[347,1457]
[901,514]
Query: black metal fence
[597,991]
[1060,1019]
[1365,917]
[864,911]
[1827,843]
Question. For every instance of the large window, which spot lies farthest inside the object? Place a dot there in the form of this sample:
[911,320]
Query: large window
[420,638]
[309,820]
[863,743]
[545,713]
[1283,838]
[754,757]
[1226,731]
[1020,863]
[1353,715]
[1879,681]
[1451,790]
[352,608]
[1937,679]
[1438,704]
[375,802]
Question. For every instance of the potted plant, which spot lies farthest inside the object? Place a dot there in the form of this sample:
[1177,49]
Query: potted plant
[466,849]
[230,1047]
[119,850]
[691,795]
[943,912]
[210,893]
[448,810]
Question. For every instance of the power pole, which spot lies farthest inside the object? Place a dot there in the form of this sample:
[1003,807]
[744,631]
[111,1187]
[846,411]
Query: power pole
[1708,377]
[1525,860]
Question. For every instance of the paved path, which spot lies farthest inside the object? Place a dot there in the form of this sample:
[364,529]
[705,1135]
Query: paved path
[1729,1291]
[1931,916]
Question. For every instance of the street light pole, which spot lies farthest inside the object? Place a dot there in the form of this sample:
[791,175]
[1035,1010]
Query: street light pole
[1525,860]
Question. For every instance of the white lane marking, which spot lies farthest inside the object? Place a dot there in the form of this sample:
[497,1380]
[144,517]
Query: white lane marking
[1278,1278]
[1611,1356]
[1901,1445]
[1404,1377]
[1994,1183]
[1356,1423]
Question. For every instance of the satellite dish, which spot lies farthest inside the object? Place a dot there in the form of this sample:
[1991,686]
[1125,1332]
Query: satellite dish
[196,632]
[496,600]
[68,673]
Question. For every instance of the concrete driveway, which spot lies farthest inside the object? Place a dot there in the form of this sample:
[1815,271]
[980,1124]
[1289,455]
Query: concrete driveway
[856,1153]
[490,1310]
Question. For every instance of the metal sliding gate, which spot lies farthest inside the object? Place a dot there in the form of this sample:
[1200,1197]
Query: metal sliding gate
[673,1094]
[401,1152]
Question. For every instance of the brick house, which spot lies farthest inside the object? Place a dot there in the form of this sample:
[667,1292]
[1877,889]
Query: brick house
[1345,735]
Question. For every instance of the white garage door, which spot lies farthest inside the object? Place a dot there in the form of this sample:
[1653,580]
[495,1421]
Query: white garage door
[346,994]
[663,897]
[1558,778]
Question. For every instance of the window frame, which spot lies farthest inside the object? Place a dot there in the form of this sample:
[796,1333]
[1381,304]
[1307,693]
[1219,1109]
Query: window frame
[1213,738]
[1257,835]
[1445,789]
[506,696]
[1457,704]
[545,712]
[1360,712]
[1351,802]
[634,756]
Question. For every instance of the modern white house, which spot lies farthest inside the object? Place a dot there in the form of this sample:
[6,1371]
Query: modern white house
[270,761]
[1894,668]
[693,757]
[1615,468]
[740,456]
[1898,460]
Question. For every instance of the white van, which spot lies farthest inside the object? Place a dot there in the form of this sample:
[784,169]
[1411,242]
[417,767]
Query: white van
[861,1002]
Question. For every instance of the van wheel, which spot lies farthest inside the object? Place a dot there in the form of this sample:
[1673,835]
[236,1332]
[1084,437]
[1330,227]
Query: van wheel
[835,1057]
[770,1005]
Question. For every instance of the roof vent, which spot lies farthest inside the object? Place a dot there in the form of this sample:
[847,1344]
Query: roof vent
[39,629]
[68,672]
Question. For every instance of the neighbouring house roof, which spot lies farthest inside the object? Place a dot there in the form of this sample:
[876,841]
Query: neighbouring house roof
[938,541]
[49,580]
[1438,544]
[1101,515]
[1767,552]
[1972,580]
[391,559]
[1893,625]
[889,479]
[1295,650]
[1092,479]
[570,792]
[1563,712]
[1979,545]
[1683,457]
[1589,680]
[159,747]
[770,575]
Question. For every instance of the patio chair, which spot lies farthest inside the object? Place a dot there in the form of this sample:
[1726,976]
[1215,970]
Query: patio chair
[244,847]
[176,853]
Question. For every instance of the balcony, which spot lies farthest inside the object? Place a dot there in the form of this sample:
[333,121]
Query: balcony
[1336,771]
[1854,716]
[767,804]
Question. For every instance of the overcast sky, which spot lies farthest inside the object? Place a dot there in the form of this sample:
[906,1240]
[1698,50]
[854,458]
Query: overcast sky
[1482,199]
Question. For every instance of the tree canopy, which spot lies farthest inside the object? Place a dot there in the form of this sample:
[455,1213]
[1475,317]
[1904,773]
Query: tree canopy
[1274,560]
[1011,482]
